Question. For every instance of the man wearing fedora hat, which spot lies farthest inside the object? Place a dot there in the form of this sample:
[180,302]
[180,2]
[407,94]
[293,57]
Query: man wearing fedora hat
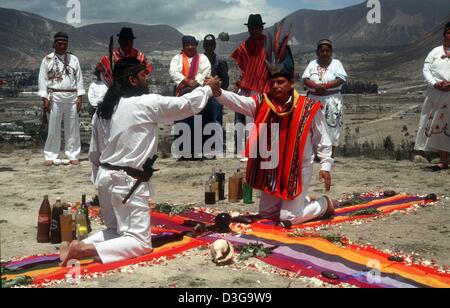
[61,89]
[250,58]
[126,50]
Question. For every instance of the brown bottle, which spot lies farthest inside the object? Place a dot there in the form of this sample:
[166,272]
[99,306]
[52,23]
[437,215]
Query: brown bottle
[55,227]
[233,189]
[44,220]
[66,226]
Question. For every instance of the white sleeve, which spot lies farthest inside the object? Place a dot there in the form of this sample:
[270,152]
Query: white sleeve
[322,142]
[307,73]
[91,95]
[43,80]
[94,149]
[427,69]
[339,70]
[241,104]
[79,79]
[204,69]
[170,109]
[175,72]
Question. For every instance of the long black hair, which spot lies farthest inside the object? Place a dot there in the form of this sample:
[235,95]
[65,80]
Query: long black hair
[121,88]
[447,27]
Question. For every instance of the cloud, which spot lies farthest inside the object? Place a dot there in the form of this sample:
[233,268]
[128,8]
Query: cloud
[197,17]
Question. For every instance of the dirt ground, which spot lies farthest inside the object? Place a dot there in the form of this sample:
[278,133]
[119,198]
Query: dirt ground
[426,231]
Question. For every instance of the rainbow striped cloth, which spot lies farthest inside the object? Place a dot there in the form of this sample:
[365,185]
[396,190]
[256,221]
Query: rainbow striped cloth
[361,266]
[45,269]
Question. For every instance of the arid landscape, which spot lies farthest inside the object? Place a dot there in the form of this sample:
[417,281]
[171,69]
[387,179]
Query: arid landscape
[376,152]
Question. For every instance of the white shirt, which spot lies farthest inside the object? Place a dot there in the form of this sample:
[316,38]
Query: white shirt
[176,69]
[101,130]
[318,136]
[53,63]
[134,125]
[436,69]
[96,93]
[334,70]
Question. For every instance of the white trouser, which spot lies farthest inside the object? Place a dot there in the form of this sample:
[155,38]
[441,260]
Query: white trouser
[297,211]
[68,113]
[128,233]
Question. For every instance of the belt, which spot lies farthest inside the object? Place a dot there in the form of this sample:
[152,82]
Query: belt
[134,173]
[328,93]
[63,90]
[140,176]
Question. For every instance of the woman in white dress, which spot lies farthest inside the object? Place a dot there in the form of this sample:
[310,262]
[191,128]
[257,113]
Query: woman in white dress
[434,127]
[324,78]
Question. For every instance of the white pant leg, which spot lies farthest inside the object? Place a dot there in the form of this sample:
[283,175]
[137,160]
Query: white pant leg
[302,209]
[107,211]
[102,236]
[104,196]
[53,143]
[72,132]
[133,220]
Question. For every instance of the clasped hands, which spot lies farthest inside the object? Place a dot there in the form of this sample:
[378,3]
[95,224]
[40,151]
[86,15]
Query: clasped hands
[215,83]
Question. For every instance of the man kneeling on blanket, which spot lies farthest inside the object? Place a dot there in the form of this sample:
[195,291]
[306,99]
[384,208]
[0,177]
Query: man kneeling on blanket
[284,180]
[127,160]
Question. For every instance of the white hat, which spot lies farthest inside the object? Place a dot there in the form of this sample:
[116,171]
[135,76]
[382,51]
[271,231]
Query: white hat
[221,251]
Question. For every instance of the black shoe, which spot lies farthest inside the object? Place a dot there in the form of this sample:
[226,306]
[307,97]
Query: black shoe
[285,224]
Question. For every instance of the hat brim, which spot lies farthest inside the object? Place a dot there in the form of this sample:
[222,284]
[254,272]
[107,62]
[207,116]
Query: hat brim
[249,25]
[126,37]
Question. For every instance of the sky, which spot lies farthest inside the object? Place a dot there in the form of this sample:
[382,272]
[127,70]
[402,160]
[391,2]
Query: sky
[194,17]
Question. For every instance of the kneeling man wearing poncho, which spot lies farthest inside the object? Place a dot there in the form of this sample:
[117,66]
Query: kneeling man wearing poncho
[302,130]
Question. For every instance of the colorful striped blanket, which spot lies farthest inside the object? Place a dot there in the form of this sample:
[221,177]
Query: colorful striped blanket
[361,266]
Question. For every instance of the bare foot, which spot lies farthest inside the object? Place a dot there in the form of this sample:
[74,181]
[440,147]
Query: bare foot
[48,163]
[330,208]
[75,162]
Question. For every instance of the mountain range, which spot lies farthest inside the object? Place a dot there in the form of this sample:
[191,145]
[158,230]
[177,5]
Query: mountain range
[410,28]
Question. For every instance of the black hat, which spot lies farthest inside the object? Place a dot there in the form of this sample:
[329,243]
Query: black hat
[61,36]
[127,34]
[209,40]
[127,67]
[255,20]
[187,39]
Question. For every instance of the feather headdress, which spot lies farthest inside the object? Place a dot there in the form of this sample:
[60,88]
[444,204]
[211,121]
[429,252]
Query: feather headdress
[279,59]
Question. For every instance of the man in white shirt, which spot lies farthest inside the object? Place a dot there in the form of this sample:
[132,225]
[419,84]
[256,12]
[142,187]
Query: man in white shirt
[96,92]
[126,162]
[297,128]
[189,70]
[61,89]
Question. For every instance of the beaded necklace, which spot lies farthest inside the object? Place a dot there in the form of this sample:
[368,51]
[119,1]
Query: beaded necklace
[321,71]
